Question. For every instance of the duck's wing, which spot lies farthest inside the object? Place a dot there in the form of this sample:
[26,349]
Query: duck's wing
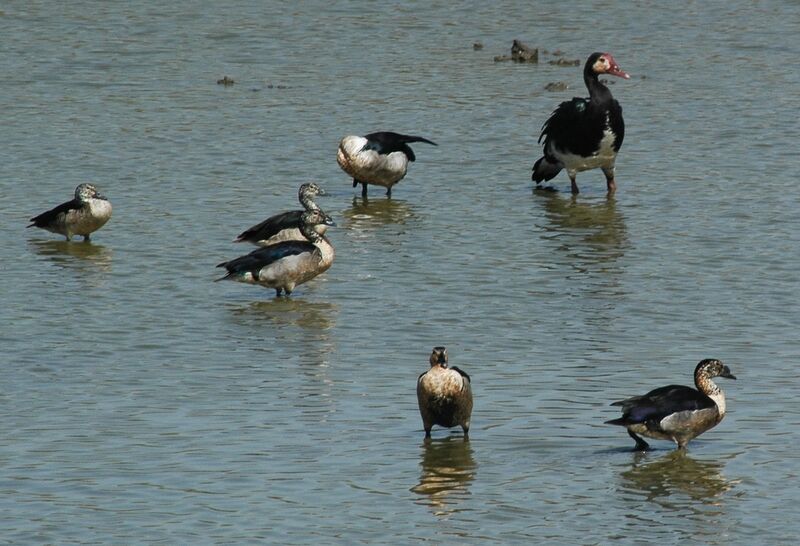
[386,142]
[463,374]
[617,124]
[263,257]
[271,226]
[659,403]
[571,128]
[46,218]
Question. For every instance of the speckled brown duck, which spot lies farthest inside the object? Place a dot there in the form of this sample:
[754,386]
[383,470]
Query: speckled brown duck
[444,394]
[83,215]
[286,225]
[287,264]
[676,412]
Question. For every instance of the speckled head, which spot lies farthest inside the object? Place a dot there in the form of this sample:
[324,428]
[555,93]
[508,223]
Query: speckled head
[310,189]
[711,367]
[84,192]
[315,217]
[439,357]
[604,63]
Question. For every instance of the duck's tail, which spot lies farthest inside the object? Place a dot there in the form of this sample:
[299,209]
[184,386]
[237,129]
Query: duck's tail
[411,138]
[544,169]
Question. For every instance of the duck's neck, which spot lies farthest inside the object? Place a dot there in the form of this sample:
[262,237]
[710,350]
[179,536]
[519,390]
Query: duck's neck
[308,202]
[310,233]
[705,385]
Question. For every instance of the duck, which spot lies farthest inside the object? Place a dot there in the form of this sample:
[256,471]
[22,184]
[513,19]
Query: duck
[379,158]
[583,134]
[286,264]
[83,215]
[676,412]
[444,394]
[286,225]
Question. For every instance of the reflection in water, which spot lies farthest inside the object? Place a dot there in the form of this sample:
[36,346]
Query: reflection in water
[278,319]
[448,469]
[366,214]
[292,323]
[296,333]
[688,496]
[90,256]
[677,481]
[283,311]
[591,232]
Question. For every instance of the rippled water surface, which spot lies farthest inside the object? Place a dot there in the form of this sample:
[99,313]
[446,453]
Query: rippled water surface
[144,403]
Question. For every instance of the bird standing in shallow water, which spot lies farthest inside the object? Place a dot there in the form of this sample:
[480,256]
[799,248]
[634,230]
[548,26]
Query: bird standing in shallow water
[444,394]
[83,215]
[286,225]
[380,158]
[676,412]
[583,134]
[284,265]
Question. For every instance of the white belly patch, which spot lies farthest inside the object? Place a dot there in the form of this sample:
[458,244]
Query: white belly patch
[604,158]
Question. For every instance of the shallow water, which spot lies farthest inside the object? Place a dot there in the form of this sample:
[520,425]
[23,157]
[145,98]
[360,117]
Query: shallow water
[143,403]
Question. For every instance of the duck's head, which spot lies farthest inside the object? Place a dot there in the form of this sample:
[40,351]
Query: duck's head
[603,63]
[439,357]
[310,189]
[711,367]
[316,217]
[85,192]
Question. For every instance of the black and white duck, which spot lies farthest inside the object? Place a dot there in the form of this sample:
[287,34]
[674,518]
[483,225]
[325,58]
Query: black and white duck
[83,215]
[380,158]
[676,412]
[286,264]
[583,134]
[444,394]
[286,225]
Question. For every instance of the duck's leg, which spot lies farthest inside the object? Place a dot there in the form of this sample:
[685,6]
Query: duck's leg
[363,189]
[572,175]
[355,182]
[389,192]
[610,183]
[427,433]
[641,445]
[278,292]
[86,239]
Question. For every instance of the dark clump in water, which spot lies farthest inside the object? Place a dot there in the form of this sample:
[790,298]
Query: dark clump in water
[520,53]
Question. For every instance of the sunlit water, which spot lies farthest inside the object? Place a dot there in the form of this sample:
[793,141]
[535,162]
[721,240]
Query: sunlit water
[144,403]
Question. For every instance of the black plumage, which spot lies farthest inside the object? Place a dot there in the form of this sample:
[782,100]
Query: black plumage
[262,257]
[660,403]
[286,225]
[386,142]
[582,133]
[48,217]
[271,227]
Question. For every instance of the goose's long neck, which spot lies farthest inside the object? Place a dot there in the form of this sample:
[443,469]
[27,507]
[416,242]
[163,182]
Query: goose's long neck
[307,201]
[705,385]
[598,93]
